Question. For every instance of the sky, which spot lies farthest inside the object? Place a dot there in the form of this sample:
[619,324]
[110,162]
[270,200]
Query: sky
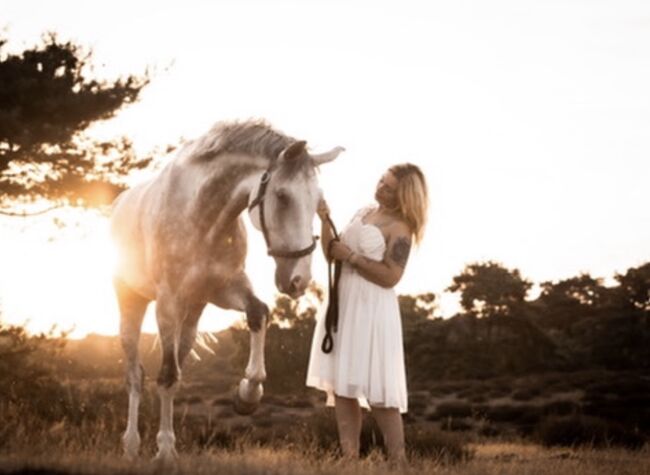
[530,120]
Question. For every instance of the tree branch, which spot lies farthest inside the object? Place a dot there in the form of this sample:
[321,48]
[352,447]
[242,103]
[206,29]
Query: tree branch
[29,215]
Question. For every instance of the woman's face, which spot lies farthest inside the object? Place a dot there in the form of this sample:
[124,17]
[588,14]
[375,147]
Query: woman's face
[386,192]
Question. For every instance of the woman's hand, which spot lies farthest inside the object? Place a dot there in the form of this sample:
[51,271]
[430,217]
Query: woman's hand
[340,251]
[323,210]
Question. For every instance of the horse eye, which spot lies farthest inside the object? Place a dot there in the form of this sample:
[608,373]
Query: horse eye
[282,197]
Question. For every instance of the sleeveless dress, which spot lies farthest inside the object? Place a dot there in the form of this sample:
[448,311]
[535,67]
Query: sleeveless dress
[367,361]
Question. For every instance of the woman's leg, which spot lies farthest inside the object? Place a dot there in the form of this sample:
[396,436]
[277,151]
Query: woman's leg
[348,420]
[389,421]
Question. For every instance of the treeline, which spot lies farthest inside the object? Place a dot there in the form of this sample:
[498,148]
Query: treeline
[571,325]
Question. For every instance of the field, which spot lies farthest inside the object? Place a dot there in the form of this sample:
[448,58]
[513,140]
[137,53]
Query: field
[488,458]
[553,423]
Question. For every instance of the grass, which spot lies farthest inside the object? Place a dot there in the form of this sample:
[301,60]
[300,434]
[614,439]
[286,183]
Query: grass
[489,459]
[72,423]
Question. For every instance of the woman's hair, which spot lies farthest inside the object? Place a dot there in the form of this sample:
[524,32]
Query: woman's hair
[412,197]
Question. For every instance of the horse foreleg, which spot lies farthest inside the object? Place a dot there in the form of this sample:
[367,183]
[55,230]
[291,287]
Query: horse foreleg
[251,389]
[239,296]
[132,308]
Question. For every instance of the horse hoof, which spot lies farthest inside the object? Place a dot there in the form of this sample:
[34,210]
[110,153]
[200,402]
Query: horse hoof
[243,408]
[166,458]
[131,445]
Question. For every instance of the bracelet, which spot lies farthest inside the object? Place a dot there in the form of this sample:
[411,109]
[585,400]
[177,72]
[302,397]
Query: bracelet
[349,259]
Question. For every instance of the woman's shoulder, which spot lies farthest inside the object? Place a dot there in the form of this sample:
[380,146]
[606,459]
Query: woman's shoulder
[397,228]
[364,211]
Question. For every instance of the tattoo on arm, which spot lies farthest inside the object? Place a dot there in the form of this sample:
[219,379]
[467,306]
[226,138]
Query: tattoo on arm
[400,251]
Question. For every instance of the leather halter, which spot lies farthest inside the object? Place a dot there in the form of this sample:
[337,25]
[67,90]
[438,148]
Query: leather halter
[259,200]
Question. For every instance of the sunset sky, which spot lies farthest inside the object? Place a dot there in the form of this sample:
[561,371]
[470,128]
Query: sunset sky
[530,119]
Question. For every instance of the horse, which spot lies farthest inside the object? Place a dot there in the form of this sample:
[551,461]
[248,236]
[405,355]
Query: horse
[181,242]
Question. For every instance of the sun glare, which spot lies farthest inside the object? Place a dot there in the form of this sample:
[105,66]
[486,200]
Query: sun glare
[59,279]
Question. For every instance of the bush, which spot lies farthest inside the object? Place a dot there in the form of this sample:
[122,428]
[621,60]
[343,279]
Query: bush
[498,391]
[456,425]
[418,405]
[319,430]
[561,407]
[453,409]
[513,414]
[425,441]
[585,430]
[525,394]
[478,399]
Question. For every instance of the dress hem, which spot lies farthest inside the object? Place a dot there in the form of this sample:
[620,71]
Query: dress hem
[328,388]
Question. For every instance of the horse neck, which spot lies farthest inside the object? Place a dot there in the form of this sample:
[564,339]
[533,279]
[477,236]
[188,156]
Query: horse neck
[225,189]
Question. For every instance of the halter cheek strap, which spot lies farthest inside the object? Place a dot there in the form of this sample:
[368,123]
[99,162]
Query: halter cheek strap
[259,201]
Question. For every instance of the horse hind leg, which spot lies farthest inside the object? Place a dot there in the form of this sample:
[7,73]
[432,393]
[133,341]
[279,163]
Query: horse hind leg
[132,308]
[188,332]
[176,343]
[169,315]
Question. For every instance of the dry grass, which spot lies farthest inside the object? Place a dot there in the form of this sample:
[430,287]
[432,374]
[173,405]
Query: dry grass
[489,459]
[73,424]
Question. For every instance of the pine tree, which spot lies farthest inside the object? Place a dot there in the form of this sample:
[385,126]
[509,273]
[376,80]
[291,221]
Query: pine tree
[48,100]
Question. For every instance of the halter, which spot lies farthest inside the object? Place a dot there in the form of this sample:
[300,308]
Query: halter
[259,200]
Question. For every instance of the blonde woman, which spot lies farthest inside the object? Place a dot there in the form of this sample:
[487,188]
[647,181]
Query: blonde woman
[366,364]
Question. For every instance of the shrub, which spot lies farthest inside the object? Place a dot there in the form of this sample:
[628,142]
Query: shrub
[418,405]
[319,430]
[585,430]
[453,409]
[298,403]
[525,394]
[224,401]
[561,407]
[513,414]
[478,399]
[498,391]
[425,441]
[456,425]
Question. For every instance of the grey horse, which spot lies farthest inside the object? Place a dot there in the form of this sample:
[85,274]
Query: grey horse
[181,242]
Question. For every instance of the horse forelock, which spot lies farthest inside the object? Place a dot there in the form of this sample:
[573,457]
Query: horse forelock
[297,168]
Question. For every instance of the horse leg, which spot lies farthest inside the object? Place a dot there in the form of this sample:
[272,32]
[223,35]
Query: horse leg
[239,296]
[132,308]
[188,332]
[168,313]
[250,390]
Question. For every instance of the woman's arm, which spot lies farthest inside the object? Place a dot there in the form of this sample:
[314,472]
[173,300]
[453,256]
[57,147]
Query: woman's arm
[388,272]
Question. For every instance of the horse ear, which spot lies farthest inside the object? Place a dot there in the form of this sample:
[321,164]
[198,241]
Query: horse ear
[294,150]
[327,156]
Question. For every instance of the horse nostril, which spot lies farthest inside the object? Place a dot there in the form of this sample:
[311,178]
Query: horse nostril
[295,283]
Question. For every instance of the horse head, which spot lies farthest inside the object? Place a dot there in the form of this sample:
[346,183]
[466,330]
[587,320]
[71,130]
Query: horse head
[283,206]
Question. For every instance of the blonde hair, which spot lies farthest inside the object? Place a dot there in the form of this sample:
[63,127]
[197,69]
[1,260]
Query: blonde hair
[412,197]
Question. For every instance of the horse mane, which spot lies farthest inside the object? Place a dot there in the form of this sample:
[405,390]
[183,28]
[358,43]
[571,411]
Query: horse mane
[252,137]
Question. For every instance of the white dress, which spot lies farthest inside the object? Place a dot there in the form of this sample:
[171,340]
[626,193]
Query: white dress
[367,361]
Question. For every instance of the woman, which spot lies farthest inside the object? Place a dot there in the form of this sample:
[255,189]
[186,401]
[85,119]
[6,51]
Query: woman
[366,365]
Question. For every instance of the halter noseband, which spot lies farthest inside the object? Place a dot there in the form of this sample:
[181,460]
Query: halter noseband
[259,200]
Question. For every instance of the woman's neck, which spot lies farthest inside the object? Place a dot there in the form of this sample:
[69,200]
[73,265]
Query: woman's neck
[382,209]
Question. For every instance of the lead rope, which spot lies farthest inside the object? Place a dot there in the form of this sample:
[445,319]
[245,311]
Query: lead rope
[332,315]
